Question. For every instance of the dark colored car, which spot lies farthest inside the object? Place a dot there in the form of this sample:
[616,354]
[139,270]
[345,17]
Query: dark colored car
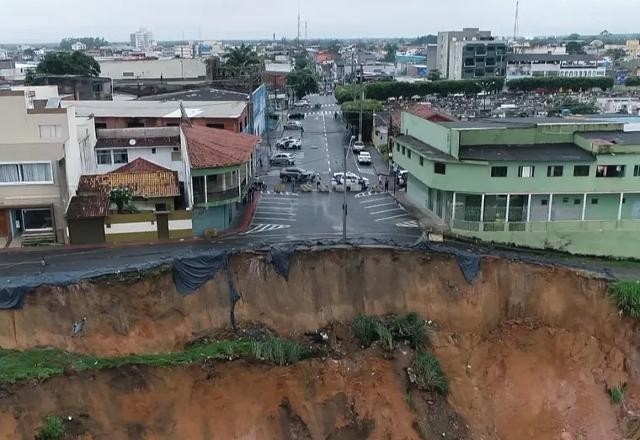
[296,174]
[296,116]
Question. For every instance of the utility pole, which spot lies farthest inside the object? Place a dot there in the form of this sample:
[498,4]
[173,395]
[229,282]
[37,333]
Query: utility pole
[360,122]
[344,188]
[298,37]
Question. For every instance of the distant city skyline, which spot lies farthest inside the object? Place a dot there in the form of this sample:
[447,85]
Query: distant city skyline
[250,19]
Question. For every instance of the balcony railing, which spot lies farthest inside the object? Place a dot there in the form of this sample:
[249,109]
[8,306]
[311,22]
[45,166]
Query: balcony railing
[215,196]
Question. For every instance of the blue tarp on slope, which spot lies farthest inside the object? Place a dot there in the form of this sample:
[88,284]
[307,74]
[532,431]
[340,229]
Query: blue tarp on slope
[192,272]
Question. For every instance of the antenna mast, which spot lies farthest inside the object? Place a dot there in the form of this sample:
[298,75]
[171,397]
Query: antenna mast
[516,28]
[298,38]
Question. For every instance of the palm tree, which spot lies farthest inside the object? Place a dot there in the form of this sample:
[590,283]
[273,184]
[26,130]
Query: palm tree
[241,56]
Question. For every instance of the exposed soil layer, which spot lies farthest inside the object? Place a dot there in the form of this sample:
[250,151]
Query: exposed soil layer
[529,351]
[349,399]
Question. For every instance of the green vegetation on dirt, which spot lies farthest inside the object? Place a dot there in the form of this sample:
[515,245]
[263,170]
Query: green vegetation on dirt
[552,84]
[43,363]
[390,330]
[626,294]
[52,429]
[428,373]
[616,394]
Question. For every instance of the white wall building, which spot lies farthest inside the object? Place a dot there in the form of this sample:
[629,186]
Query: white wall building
[78,46]
[183,51]
[173,68]
[537,65]
[142,39]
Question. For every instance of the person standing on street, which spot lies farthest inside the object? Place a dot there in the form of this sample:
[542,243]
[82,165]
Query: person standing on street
[386,185]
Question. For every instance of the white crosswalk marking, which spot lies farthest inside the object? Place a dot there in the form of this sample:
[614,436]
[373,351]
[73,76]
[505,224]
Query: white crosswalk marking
[408,224]
[260,227]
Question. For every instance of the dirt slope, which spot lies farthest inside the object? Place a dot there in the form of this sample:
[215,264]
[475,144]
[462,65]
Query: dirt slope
[529,351]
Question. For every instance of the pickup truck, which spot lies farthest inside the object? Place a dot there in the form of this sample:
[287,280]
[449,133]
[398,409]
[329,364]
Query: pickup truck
[291,144]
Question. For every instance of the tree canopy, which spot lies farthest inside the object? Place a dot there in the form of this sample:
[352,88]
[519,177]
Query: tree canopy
[632,81]
[390,50]
[65,63]
[573,47]
[90,42]
[426,39]
[384,90]
[302,79]
[434,75]
[242,56]
[351,113]
[574,106]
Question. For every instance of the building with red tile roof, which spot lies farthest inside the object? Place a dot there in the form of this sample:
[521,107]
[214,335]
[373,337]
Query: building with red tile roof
[213,148]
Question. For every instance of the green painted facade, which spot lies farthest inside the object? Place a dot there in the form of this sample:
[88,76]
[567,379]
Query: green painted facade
[611,211]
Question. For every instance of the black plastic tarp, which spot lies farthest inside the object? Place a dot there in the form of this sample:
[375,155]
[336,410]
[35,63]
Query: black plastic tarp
[190,273]
[280,258]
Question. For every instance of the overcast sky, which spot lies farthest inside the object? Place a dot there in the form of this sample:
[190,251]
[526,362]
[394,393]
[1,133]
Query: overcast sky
[25,21]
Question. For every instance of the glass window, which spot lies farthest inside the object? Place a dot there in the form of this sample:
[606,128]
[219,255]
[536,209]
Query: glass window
[36,172]
[34,219]
[120,156]
[526,171]
[554,171]
[408,153]
[610,171]
[594,201]
[498,171]
[403,150]
[9,173]
[544,202]
[104,157]
[39,172]
[50,131]
[421,161]
[581,170]
[176,154]
[636,171]
[397,147]
[440,168]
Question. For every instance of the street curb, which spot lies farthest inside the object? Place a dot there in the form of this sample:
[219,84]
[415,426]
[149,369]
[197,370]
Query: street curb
[246,220]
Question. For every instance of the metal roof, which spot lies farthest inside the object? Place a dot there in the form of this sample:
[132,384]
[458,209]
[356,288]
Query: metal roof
[544,57]
[157,109]
[425,150]
[526,153]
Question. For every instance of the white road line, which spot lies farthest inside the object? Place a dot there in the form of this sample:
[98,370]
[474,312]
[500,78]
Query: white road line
[364,202]
[386,210]
[378,205]
[393,216]
[277,212]
[277,203]
[290,220]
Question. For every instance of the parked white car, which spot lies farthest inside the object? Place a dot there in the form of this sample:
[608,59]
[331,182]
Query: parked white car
[358,146]
[364,158]
[301,103]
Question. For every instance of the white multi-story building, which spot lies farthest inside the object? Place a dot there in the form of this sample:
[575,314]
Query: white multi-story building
[142,39]
[78,46]
[543,65]
[40,168]
[183,51]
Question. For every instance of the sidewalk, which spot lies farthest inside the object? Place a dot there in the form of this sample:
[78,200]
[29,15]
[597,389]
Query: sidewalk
[426,219]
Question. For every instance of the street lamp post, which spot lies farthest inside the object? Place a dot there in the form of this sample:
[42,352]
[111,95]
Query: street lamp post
[344,188]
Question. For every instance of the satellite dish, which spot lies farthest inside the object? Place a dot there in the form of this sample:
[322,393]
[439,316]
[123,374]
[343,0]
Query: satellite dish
[132,142]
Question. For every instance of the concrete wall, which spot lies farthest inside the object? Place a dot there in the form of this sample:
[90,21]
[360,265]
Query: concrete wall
[161,157]
[153,69]
[143,226]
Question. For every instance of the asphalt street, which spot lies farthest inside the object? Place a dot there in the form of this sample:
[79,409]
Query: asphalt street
[300,215]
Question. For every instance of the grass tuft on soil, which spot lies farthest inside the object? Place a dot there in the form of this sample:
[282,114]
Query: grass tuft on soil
[52,429]
[43,363]
[390,330]
[428,373]
[627,297]
[616,394]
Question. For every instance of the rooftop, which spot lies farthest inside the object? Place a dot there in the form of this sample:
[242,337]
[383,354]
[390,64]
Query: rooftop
[203,94]
[214,148]
[531,57]
[157,109]
[425,150]
[278,67]
[88,206]
[143,178]
[526,153]
[614,137]
[504,123]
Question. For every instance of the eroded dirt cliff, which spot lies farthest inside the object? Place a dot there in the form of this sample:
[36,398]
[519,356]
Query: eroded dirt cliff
[529,350]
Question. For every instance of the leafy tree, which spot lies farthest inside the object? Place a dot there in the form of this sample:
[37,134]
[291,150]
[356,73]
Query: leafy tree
[334,46]
[121,196]
[242,56]
[90,42]
[351,113]
[573,47]
[434,75]
[573,37]
[632,81]
[303,81]
[574,106]
[301,63]
[391,50]
[64,63]
[426,39]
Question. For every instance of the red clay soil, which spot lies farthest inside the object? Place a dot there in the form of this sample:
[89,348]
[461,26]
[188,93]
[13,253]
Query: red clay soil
[339,400]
